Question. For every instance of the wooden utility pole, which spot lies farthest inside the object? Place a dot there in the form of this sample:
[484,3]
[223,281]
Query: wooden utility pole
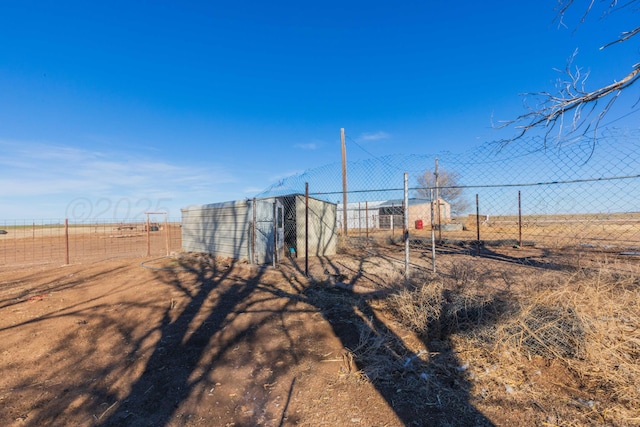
[344,181]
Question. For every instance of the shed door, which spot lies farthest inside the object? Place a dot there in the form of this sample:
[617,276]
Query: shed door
[269,231]
[263,240]
[279,227]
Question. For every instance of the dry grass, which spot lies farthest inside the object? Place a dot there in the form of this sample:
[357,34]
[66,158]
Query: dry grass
[607,304]
[543,325]
[549,338]
[590,324]
[565,344]
[419,308]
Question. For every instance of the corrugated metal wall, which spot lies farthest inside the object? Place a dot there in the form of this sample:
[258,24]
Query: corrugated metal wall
[222,229]
[323,234]
[226,229]
[264,241]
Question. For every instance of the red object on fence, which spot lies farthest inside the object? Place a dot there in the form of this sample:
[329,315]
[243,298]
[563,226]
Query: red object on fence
[419,224]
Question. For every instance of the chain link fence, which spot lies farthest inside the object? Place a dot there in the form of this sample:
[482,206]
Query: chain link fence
[519,201]
[579,198]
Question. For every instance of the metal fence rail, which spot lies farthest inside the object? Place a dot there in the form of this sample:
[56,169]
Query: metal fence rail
[580,198]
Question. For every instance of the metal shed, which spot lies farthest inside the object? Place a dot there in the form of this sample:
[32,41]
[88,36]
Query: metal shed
[261,230]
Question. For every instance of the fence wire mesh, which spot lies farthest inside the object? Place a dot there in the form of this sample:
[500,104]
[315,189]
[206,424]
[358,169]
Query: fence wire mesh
[56,241]
[581,197]
[578,198]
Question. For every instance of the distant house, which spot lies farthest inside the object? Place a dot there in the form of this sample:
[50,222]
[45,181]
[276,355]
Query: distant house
[260,230]
[388,214]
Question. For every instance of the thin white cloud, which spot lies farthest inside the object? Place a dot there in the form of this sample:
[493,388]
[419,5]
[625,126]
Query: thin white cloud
[34,174]
[307,146]
[374,136]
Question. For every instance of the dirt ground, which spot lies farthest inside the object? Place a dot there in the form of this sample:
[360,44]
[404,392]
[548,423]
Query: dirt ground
[186,341]
[113,343]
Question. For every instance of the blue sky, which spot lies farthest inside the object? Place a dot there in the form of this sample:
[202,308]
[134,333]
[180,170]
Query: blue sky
[114,108]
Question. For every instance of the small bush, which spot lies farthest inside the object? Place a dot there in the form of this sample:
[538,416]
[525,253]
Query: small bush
[418,309]
[435,311]
[549,329]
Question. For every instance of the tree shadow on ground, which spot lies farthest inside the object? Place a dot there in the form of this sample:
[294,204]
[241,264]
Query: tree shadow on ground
[52,370]
[423,388]
[543,258]
[224,347]
[166,370]
[165,381]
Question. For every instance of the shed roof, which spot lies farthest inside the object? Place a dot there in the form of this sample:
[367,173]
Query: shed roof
[238,203]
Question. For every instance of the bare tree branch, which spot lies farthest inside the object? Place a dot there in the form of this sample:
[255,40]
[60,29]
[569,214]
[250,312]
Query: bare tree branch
[572,97]
[626,35]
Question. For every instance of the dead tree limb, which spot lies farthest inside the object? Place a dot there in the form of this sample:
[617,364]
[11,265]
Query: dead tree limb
[573,109]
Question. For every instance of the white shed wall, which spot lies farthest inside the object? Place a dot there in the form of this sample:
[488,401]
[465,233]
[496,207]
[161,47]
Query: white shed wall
[226,229]
[220,229]
[323,233]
